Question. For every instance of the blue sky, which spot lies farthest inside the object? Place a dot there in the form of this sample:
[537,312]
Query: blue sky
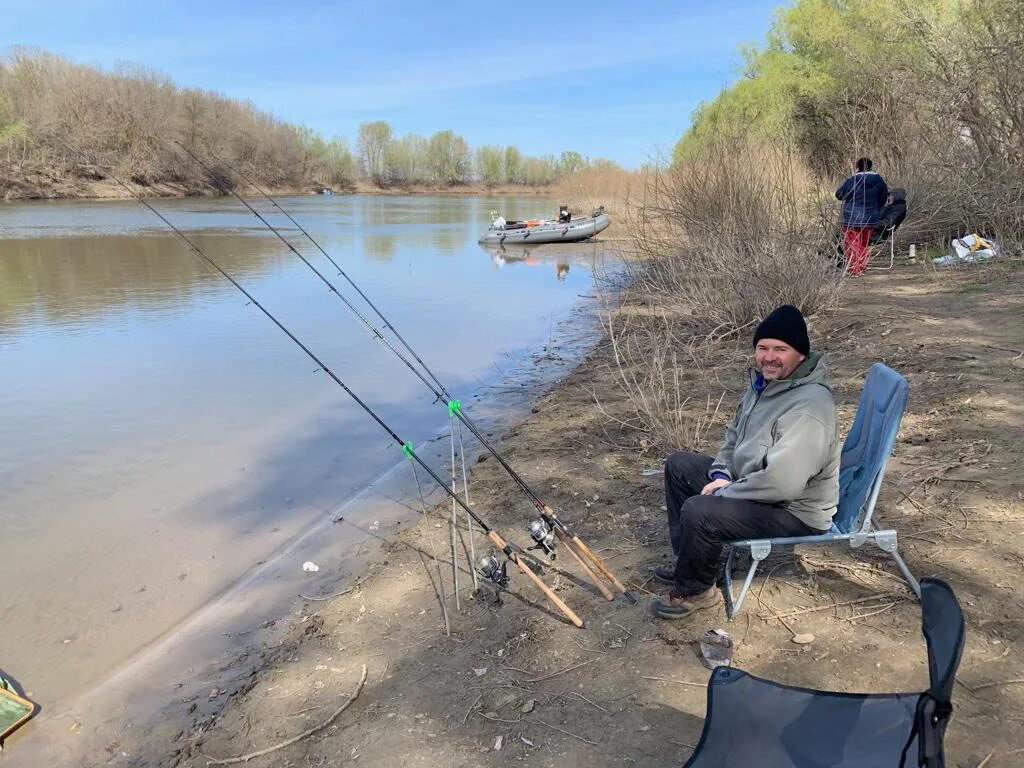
[611,79]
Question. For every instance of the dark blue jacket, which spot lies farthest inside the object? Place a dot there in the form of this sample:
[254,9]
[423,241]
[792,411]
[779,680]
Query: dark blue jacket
[863,196]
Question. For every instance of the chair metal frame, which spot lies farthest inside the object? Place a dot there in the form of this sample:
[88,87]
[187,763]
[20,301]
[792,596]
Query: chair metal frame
[885,540]
[892,251]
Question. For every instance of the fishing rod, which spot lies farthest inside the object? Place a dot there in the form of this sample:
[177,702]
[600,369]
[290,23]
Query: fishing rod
[407,446]
[542,530]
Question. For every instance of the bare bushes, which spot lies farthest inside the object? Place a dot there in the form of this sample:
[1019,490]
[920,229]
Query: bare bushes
[717,243]
[589,188]
[733,234]
[127,120]
[664,377]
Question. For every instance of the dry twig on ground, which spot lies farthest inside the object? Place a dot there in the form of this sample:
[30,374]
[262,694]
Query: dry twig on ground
[305,734]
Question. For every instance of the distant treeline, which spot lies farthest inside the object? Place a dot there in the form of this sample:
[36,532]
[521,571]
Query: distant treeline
[126,120]
[932,90]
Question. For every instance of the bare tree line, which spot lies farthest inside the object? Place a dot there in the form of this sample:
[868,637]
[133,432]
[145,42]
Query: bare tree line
[127,121]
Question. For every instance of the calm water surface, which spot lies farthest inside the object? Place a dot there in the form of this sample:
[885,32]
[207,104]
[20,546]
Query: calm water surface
[160,437]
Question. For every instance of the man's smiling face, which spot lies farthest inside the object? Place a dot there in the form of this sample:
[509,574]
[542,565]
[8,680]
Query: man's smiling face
[776,359]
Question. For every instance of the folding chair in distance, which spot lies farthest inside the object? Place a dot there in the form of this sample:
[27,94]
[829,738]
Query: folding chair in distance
[755,722]
[861,470]
[888,237]
[892,218]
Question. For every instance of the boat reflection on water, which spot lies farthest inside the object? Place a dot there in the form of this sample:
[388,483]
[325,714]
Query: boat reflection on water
[557,256]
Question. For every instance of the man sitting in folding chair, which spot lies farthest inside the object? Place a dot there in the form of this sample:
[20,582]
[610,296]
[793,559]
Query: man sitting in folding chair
[776,474]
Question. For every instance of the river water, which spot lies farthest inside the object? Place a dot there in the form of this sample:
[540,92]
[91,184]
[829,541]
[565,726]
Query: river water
[162,439]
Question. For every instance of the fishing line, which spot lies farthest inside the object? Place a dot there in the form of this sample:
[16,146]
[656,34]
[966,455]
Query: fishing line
[407,447]
[549,521]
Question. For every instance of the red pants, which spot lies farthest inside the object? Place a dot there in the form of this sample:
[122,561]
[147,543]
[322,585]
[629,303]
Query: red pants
[855,246]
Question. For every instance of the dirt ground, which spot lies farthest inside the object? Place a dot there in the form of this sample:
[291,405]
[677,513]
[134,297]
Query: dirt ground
[516,684]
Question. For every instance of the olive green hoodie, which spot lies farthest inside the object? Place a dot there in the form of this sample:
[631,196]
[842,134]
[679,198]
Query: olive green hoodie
[783,446]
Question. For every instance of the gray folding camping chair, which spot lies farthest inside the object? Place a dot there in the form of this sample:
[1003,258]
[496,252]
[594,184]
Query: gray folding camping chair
[888,239]
[755,722]
[861,469]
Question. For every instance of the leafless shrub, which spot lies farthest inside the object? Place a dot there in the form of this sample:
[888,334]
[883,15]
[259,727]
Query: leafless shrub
[661,373]
[716,244]
[733,234]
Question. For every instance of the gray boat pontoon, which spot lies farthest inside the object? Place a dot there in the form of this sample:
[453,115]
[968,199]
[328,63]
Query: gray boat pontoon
[564,229]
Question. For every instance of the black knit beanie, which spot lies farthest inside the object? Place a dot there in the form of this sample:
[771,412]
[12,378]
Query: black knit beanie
[785,324]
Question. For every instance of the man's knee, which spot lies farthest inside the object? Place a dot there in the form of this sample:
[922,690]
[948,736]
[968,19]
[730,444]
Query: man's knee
[699,512]
[675,463]
[681,463]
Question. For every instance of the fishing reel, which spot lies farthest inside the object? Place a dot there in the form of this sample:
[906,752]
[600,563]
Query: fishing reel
[544,534]
[493,569]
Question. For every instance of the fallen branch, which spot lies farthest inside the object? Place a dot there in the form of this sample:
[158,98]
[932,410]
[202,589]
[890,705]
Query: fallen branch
[471,708]
[336,594]
[301,736]
[574,693]
[858,616]
[567,733]
[682,744]
[486,716]
[830,606]
[997,682]
[677,682]
[561,671]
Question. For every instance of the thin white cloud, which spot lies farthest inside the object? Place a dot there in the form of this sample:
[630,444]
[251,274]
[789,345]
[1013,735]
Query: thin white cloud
[381,83]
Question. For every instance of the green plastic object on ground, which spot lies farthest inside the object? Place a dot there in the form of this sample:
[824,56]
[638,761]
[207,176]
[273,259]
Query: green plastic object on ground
[14,710]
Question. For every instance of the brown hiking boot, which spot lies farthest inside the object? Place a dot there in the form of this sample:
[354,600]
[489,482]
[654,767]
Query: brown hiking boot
[676,606]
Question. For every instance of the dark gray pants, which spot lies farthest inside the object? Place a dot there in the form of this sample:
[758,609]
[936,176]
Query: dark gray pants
[698,526]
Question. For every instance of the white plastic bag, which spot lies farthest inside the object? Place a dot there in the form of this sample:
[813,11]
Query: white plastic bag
[967,250]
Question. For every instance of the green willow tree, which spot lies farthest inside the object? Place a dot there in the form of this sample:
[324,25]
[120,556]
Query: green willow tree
[372,141]
[932,90]
[490,164]
[448,158]
[11,130]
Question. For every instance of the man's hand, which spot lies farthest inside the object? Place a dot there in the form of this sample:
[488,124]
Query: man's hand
[713,486]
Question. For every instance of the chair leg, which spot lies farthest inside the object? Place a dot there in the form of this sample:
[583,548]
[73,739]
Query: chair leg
[727,582]
[892,255]
[886,541]
[731,609]
[758,551]
[906,573]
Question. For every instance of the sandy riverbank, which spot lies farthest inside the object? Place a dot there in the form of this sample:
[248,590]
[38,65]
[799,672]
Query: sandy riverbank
[516,684]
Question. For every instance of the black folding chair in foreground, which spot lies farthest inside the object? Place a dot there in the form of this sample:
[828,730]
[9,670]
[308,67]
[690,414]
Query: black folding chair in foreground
[755,722]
